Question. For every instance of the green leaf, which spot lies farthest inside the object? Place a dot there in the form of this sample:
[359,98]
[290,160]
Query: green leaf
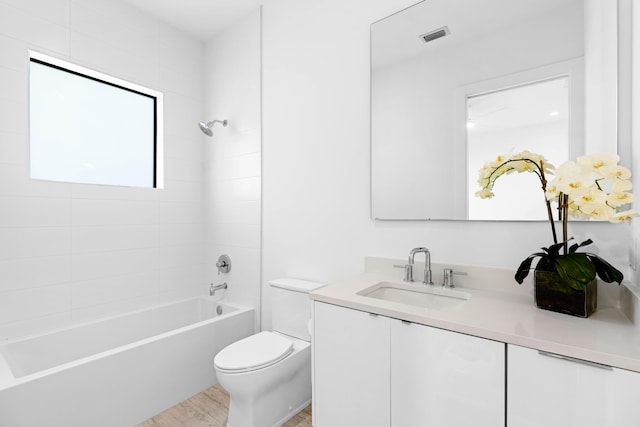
[575,269]
[525,266]
[606,272]
[576,246]
[554,250]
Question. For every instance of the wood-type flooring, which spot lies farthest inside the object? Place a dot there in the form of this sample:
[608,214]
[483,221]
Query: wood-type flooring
[209,409]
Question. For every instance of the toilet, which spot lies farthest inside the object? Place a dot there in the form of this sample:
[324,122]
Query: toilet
[268,374]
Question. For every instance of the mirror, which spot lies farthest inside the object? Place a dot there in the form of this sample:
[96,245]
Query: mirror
[454,83]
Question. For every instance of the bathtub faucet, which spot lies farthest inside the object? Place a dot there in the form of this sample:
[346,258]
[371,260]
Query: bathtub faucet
[215,288]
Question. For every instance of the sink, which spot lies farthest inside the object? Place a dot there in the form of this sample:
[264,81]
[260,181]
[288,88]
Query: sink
[434,297]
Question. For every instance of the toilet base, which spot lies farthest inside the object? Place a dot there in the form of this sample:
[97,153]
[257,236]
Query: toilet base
[286,418]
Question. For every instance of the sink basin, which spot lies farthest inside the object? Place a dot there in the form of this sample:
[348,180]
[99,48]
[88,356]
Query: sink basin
[434,297]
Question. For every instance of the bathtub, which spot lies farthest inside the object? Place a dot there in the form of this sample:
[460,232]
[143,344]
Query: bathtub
[120,371]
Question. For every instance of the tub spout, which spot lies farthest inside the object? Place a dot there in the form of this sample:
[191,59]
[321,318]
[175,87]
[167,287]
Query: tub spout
[213,289]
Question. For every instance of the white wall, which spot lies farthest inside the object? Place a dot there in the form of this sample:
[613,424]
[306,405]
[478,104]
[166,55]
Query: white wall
[71,252]
[233,159]
[316,170]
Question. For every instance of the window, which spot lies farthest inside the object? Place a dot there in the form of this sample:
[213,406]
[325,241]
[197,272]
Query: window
[88,127]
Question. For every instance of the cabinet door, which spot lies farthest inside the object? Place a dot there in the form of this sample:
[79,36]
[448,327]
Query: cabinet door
[442,378]
[545,390]
[351,368]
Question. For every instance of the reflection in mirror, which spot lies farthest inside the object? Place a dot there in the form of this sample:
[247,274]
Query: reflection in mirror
[424,160]
[532,117]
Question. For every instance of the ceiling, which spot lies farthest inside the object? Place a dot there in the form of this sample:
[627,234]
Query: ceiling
[201,19]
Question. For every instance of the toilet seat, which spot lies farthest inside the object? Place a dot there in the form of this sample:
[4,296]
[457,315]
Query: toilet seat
[254,352]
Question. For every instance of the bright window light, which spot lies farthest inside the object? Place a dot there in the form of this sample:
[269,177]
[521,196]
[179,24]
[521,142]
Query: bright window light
[88,127]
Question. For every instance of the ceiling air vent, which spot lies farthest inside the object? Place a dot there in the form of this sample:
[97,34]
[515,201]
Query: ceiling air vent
[435,34]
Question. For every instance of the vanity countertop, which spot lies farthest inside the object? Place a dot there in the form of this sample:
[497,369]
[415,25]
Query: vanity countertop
[510,316]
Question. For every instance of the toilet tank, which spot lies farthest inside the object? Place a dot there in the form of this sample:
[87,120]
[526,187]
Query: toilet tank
[291,306]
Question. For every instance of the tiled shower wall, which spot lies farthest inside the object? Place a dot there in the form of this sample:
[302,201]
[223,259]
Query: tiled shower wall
[233,159]
[72,252]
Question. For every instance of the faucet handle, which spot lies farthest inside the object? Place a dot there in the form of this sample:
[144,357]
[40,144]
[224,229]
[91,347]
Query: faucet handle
[408,271]
[224,264]
[448,277]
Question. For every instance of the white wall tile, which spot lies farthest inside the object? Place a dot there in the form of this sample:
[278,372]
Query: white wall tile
[110,192]
[246,189]
[184,169]
[100,26]
[181,235]
[112,289]
[36,31]
[14,115]
[14,147]
[241,235]
[14,53]
[34,211]
[113,238]
[26,273]
[114,212]
[185,139]
[15,181]
[56,11]
[28,242]
[113,60]
[187,279]
[172,257]
[180,81]
[14,84]
[36,302]
[95,265]
[181,213]
[235,211]
[181,191]
[182,114]
[123,13]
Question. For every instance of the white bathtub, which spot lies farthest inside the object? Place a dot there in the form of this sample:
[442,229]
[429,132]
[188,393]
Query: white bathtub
[119,371]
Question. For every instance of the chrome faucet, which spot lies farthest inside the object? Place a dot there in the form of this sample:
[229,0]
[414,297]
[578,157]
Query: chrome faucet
[213,289]
[408,269]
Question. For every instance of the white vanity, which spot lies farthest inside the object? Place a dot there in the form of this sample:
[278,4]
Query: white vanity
[492,359]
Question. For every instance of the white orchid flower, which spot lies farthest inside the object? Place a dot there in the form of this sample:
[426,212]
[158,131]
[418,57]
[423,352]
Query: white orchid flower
[591,194]
[598,162]
[620,199]
[623,216]
[600,211]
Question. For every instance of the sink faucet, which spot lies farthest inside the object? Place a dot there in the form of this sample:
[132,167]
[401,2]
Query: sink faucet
[408,269]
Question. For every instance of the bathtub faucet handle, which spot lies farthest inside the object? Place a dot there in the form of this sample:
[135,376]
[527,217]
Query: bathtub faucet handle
[223,264]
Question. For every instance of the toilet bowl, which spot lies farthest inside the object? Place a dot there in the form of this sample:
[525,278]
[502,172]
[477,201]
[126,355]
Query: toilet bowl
[270,394]
[268,375]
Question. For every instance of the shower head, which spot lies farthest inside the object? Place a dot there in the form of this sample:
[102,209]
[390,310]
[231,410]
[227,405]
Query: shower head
[206,127]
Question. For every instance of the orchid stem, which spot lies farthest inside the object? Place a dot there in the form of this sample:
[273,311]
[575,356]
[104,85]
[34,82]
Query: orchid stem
[543,179]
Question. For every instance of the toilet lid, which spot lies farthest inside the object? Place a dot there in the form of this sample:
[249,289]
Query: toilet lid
[254,352]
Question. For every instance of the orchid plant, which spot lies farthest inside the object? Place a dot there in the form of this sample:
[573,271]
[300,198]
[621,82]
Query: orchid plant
[592,187]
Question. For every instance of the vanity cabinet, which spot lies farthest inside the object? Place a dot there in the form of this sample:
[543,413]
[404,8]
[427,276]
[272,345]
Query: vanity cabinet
[351,368]
[555,391]
[371,370]
[443,378]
